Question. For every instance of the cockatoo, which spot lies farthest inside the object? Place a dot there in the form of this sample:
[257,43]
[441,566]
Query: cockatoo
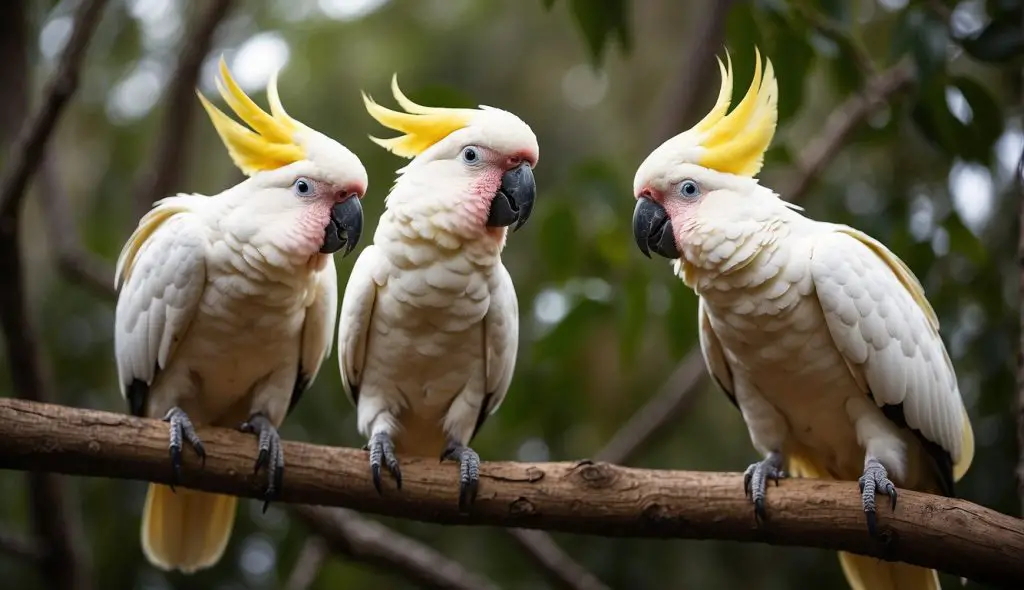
[818,333]
[228,304]
[429,325]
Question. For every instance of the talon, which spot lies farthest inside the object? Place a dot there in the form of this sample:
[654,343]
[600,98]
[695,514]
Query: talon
[382,451]
[469,472]
[181,428]
[269,456]
[755,480]
[875,480]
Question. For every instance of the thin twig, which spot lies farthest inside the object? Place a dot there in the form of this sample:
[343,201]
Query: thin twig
[348,533]
[548,555]
[180,102]
[311,558]
[75,261]
[19,546]
[580,497]
[27,155]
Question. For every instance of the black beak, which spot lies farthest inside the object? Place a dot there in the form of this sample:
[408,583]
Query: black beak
[513,202]
[344,228]
[652,229]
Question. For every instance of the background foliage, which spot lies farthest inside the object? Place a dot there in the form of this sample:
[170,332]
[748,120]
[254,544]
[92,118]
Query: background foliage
[931,175]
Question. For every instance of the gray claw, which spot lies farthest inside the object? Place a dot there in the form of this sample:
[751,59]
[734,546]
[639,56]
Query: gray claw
[382,449]
[875,480]
[181,428]
[755,480]
[469,472]
[271,455]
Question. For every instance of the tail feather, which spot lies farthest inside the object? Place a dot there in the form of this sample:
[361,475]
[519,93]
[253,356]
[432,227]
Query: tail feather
[862,572]
[869,573]
[186,530]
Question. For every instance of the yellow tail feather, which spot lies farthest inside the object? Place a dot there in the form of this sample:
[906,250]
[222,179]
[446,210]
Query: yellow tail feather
[186,530]
[869,573]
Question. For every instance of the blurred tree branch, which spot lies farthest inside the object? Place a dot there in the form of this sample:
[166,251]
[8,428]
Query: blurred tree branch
[56,521]
[563,571]
[18,546]
[366,541]
[583,497]
[73,260]
[179,104]
[307,565]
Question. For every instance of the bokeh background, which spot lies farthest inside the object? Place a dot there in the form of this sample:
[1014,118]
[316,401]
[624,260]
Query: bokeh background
[929,169]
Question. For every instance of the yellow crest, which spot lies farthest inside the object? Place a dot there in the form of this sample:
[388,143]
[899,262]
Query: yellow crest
[736,143]
[422,126]
[272,144]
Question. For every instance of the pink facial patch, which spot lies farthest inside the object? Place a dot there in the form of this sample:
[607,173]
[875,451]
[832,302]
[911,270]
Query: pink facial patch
[482,190]
[311,224]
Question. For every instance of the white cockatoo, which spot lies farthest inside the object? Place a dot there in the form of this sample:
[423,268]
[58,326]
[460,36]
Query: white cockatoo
[228,304]
[429,325]
[818,333]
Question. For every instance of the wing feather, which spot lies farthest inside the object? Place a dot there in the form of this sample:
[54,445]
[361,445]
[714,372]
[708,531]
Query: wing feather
[356,317]
[317,330]
[162,274]
[714,355]
[501,343]
[888,333]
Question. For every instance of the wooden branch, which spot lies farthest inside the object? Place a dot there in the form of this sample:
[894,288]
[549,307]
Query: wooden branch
[348,533]
[73,260]
[19,547]
[28,152]
[307,566]
[159,178]
[951,535]
[562,570]
[846,118]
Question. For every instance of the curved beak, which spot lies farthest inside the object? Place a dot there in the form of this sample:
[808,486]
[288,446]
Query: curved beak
[652,229]
[344,228]
[513,202]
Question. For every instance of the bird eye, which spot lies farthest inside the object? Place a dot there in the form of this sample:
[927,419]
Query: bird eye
[470,155]
[303,187]
[689,189]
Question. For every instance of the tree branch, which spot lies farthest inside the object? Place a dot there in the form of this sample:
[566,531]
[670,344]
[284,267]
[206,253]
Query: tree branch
[348,533]
[28,154]
[951,535]
[179,105]
[56,521]
[20,547]
[563,571]
[307,566]
[73,260]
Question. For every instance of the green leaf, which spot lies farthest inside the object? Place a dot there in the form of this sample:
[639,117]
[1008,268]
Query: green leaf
[924,36]
[1000,41]
[600,19]
[986,126]
[971,141]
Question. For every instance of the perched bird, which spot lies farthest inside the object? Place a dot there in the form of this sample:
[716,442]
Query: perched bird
[228,304]
[818,333]
[429,325]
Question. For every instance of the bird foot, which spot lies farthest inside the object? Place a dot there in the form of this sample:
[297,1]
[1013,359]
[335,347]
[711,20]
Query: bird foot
[271,454]
[469,472]
[382,449]
[181,428]
[755,480]
[875,479]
